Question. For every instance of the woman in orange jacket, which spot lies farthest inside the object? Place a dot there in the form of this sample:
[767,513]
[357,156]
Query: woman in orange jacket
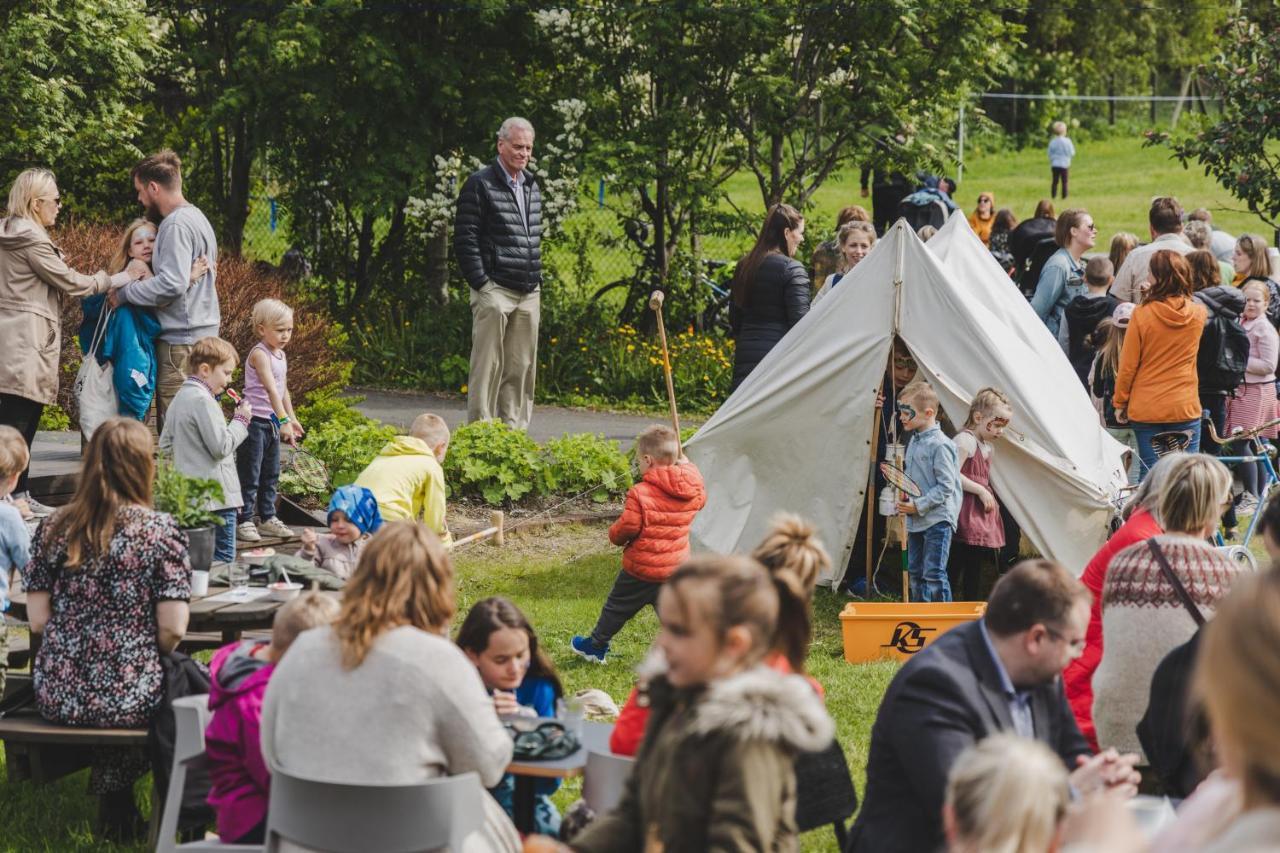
[983,217]
[1156,386]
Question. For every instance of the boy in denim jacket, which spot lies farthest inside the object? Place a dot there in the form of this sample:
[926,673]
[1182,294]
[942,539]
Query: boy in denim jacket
[931,518]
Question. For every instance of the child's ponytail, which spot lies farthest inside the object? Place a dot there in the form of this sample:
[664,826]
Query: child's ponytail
[794,559]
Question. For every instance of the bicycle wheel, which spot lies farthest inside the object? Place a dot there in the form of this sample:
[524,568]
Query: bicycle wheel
[622,283]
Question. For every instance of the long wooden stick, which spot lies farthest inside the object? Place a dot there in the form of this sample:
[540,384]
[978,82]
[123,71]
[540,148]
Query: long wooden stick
[871,498]
[655,302]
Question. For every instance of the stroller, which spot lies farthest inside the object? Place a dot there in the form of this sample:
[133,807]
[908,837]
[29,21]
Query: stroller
[928,205]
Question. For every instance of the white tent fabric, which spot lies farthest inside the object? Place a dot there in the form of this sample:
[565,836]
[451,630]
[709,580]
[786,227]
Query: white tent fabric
[797,434]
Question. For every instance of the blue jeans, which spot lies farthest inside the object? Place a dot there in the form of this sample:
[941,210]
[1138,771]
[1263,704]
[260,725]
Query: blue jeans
[224,538]
[1144,432]
[258,464]
[927,554]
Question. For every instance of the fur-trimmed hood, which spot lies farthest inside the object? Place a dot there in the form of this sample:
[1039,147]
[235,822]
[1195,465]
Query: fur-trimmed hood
[761,704]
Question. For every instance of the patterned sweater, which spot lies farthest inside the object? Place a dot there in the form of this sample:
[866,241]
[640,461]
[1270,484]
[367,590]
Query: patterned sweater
[1143,620]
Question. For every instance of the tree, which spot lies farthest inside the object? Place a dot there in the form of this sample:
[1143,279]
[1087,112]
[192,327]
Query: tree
[364,98]
[75,79]
[825,84]
[1239,149]
[657,79]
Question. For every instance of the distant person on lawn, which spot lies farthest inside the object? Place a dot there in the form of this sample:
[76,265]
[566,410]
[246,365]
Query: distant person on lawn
[498,241]
[407,477]
[654,533]
[187,311]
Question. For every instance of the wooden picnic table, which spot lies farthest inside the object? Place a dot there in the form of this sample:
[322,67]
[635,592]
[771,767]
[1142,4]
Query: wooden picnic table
[595,738]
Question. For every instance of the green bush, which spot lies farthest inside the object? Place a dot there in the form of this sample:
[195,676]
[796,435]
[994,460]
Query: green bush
[55,418]
[587,462]
[492,461]
[341,437]
[185,498]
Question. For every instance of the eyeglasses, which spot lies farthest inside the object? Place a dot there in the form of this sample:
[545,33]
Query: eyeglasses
[904,364]
[1075,645]
[1092,227]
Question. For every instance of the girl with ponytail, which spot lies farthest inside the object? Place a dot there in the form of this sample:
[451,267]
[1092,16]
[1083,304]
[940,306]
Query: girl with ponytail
[794,559]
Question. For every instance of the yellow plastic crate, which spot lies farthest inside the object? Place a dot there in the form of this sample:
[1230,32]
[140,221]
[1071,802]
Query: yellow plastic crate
[877,630]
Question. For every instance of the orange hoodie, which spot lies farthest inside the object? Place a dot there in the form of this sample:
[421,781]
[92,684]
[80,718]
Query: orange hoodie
[1157,382]
[655,521]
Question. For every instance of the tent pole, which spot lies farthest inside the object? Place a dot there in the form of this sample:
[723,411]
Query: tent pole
[897,324]
[871,487]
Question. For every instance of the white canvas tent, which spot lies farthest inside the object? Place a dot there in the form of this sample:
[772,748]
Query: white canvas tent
[797,434]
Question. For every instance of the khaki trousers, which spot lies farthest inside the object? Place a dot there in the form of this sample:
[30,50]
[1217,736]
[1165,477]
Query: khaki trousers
[171,372]
[504,354]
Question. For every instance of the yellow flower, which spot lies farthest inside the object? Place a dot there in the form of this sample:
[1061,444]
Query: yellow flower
[463,389]
[631,347]
[555,341]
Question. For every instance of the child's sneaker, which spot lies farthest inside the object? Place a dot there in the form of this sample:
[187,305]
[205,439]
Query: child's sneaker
[275,528]
[247,531]
[584,648]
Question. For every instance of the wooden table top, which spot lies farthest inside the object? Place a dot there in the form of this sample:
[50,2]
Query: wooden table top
[595,737]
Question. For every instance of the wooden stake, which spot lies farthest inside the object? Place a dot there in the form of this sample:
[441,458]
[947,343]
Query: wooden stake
[871,498]
[497,519]
[655,302]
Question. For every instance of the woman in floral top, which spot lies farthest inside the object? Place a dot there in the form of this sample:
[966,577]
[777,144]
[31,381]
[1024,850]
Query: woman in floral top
[108,585]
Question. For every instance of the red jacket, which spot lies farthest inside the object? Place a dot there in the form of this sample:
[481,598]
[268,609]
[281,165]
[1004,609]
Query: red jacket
[654,526]
[632,719]
[1077,679]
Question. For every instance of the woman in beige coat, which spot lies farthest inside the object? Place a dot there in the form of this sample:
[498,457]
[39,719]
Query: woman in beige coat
[33,278]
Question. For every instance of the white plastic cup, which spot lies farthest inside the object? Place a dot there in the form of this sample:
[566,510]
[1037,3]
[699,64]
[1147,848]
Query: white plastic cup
[199,583]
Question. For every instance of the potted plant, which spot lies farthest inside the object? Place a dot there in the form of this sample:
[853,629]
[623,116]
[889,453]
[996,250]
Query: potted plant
[188,499]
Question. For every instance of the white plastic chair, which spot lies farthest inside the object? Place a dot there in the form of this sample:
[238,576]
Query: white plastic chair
[374,818]
[604,779]
[191,717]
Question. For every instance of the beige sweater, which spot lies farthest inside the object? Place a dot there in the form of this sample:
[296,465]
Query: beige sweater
[414,710]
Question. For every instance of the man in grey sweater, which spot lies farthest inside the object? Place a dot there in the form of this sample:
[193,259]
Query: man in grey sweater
[187,310]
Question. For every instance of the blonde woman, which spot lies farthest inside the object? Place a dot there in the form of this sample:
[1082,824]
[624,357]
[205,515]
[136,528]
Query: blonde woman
[854,240]
[1143,614]
[1005,794]
[1238,682]
[392,700]
[33,278]
[1252,263]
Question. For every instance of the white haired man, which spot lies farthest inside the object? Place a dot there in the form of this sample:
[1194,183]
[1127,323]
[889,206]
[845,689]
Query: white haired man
[497,239]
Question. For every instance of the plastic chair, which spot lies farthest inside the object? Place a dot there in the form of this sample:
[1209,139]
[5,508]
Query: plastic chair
[191,717]
[604,779]
[342,818]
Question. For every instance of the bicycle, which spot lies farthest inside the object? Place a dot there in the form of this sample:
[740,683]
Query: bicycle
[1267,465]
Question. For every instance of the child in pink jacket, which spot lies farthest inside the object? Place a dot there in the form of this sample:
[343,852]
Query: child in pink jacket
[239,775]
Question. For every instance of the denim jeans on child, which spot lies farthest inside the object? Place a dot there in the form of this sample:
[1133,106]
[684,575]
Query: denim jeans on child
[1144,433]
[927,553]
[258,464]
[224,541]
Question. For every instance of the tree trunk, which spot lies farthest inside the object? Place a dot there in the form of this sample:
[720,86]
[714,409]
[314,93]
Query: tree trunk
[437,272]
[236,204]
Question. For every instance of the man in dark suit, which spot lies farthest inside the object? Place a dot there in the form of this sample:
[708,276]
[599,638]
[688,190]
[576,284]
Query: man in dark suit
[1001,673]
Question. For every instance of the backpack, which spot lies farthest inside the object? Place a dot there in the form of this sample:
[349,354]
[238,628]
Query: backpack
[1039,256]
[1223,355]
[183,676]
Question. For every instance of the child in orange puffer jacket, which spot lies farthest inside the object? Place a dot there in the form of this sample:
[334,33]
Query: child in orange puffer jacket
[654,533]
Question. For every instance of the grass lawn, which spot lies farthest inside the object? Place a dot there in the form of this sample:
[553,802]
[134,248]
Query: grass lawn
[1115,179]
[559,577]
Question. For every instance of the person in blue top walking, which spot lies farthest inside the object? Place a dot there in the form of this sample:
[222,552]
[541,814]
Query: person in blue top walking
[934,465]
[1060,153]
[497,637]
[1062,276]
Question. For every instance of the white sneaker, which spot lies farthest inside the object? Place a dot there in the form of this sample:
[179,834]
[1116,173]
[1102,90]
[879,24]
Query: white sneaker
[247,531]
[37,509]
[1247,505]
[275,528]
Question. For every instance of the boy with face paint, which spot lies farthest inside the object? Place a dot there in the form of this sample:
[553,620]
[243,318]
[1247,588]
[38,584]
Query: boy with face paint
[932,462]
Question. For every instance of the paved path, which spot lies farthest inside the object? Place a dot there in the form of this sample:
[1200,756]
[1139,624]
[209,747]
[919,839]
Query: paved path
[56,453]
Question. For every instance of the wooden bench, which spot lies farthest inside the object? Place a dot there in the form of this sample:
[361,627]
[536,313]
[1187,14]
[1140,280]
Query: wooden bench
[39,751]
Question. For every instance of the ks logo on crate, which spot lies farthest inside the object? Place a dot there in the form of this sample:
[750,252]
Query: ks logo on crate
[908,638]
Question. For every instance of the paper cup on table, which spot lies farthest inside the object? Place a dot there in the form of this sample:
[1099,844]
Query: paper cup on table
[199,583]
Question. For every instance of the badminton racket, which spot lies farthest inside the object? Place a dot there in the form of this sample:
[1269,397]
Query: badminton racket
[899,480]
[306,470]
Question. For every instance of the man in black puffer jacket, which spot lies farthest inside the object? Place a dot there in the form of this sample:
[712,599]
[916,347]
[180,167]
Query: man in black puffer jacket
[497,240]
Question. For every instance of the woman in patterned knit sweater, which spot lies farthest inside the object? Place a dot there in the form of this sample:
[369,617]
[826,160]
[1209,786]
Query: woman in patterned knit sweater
[1143,618]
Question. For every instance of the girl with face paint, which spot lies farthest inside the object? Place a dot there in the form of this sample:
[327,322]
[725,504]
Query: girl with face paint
[975,548]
